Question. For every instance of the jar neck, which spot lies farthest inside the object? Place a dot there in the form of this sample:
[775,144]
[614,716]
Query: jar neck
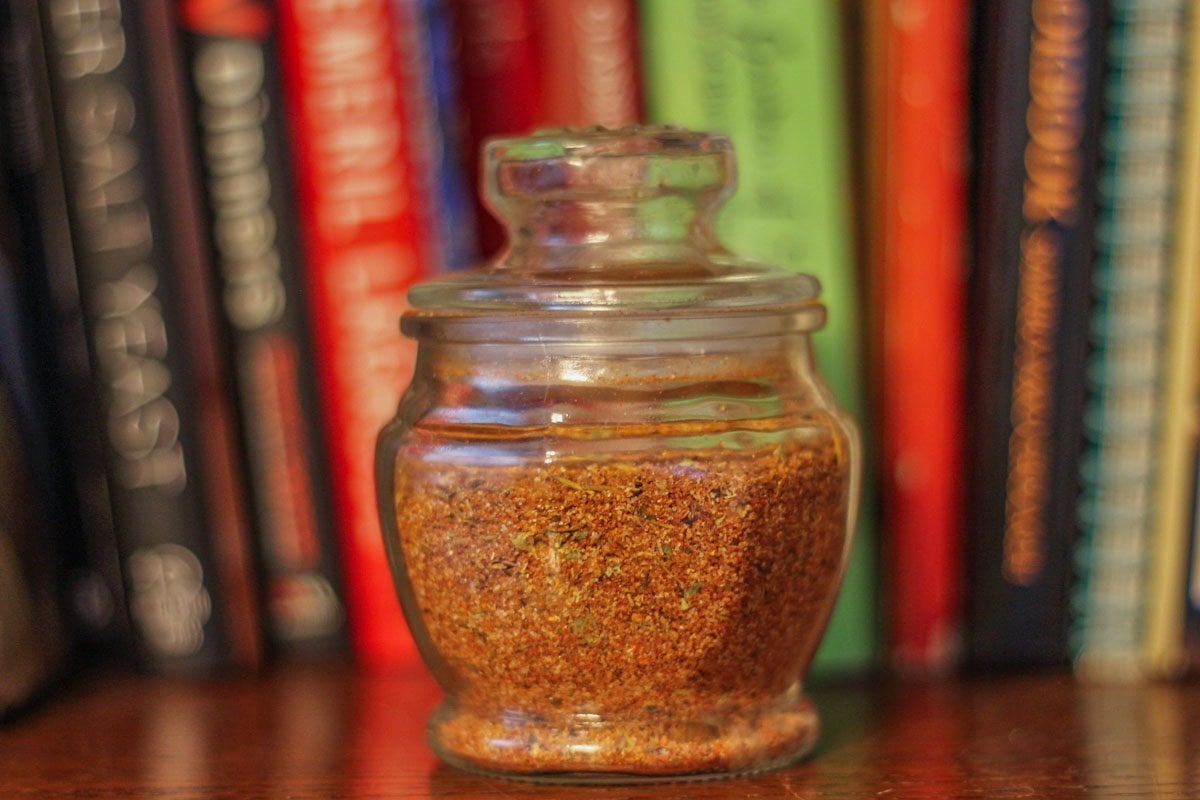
[642,191]
[561,233]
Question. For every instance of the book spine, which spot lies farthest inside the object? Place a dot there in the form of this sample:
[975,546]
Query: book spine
[237,97]
[587,56]
[1041,70]
[456,181]
[1191,614]
[500,85]
[33,647]
[41,236]
[920,278]
[1165,643]
[141,274]
[770,74]
[34,640]
[365,246]
[224,501]
[429,46]
[1125,372]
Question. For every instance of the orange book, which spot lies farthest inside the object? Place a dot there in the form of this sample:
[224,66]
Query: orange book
[919,277]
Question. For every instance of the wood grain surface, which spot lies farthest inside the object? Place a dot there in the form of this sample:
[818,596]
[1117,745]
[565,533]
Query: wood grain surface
[331,733]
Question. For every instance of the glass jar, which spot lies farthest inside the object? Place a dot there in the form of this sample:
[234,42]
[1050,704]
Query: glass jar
[617,495]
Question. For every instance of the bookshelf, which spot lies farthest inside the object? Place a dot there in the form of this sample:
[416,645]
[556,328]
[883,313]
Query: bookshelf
[338,734]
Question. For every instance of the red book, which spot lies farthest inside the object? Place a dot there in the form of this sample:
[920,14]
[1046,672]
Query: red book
[356,185]
[500,90]
[588,63]
[920,275]
[529,64]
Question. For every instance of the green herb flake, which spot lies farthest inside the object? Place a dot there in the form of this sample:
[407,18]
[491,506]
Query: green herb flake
[570,553]
[688,593]
[524,541]
[583,624]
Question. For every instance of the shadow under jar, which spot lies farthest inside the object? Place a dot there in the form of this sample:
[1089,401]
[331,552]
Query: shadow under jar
[617,494]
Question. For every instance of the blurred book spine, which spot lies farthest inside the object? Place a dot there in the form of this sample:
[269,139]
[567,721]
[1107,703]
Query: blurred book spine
[34,640]
[588,63]
[918,324]
[529,64]
[242,150]
[146,287]
[48,292]
[358,188]
[1125,369]
[500,88]
[1035,140]
[1164,642]
[1191,615]
[436,49]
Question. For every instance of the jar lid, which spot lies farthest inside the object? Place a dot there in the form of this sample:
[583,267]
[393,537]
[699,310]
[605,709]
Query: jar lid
[614,223]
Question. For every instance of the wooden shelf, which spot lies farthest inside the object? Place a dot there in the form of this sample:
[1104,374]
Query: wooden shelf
[333,733]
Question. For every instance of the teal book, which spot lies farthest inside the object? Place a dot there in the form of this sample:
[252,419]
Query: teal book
[1119,561]
[770,75]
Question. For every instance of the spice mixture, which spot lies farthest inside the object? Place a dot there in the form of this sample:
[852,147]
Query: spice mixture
[646,616]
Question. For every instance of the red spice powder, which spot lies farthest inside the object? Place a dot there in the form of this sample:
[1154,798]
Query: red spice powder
[649,614]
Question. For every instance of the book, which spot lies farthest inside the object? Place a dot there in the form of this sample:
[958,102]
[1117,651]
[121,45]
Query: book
[530,64]
[1123,419]
[500,88]
[69,449]
[1164,641]
[770,75]
[437,94]
[1035,139]
[918,280]
[587,60]
[34,641]
[357,194]
[1191,612]
[151,321]
[236,102]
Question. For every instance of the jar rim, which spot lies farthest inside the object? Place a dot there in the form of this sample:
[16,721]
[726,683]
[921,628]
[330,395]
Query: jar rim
[599,141]
[686,328]
[614,287]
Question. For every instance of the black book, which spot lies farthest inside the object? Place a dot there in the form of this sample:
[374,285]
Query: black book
[1029,295]
[151,323]
[1191,634]
[70,449]
[242,148]
[34,643]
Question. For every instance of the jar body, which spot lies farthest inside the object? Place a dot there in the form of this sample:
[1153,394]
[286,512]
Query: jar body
[618,557]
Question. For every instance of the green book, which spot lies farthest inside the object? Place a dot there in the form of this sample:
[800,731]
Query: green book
[769,74]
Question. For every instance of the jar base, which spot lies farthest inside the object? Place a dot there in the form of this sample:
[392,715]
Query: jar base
[586,748]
